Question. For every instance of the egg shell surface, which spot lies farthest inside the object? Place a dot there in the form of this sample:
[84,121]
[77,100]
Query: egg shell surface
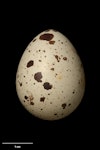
[50,79]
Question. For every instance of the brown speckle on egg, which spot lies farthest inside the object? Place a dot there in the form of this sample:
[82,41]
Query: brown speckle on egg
[79,82]
[38,76]
[44,51]
[46,36]
[20,83]
[42,99]
[31,103]
[69,104]
[30,63]
[73,91]
[55,114]
[30,99]
[47,86]
[64,58]
[57,57]
[56,74]
[51,42]
[63,105]
[52,69]
[40,60]
[26,97]
[68,70]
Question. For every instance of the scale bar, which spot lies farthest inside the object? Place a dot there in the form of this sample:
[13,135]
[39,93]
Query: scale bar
[17,143]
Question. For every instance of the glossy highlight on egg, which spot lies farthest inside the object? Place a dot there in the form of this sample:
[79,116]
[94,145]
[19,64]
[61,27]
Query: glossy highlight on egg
[50,78]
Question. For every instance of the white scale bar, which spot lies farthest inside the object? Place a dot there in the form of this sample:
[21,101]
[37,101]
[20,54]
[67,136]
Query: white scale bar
[17,143]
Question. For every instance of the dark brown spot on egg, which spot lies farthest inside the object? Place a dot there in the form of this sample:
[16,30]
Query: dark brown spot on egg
[52,69]
[69,104]
[64,58]
[42,99]
[61,42]
[38,76]
[56,74]
[46,36]
[55,114]
[40,60]
[30,99]
[31,103]
[79,82]
[44,51]
[64,105]
[73,91]
[50,102]
[30,63]
[20,83]
[57,57]
[47,86]
[26,97]
[51,42]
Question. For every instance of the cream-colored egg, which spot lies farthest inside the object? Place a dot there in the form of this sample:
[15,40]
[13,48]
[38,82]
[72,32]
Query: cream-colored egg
[50,80]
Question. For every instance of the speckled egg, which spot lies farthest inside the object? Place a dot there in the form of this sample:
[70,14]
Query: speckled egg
[50,79]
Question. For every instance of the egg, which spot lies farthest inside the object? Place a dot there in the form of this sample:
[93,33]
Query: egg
[50,79]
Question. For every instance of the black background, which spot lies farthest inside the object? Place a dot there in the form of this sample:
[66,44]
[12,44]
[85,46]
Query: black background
[79,22]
